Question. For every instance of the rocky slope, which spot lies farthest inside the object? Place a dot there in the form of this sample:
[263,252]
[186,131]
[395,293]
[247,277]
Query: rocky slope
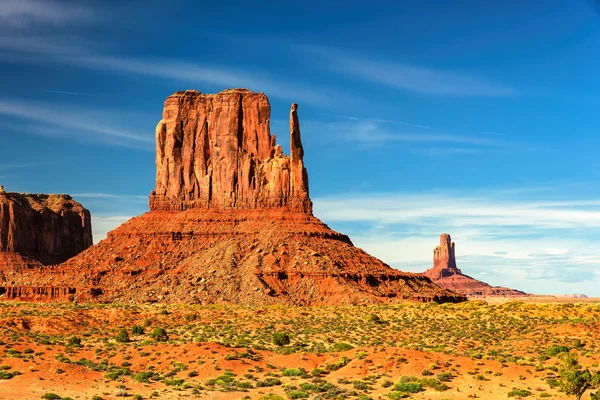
[231,221]
[446,274]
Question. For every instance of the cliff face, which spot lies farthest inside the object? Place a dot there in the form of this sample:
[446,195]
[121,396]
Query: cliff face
[230,221]
[444,259]
[46,228]
[217,152]
[446,274]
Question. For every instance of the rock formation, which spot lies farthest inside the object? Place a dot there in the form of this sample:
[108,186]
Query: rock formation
[230,221]
[446,274]
[38,230]
[217,152]
[47,228]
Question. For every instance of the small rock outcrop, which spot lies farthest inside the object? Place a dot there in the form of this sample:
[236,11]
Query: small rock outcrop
[230,221]
[446,274]
[47,228]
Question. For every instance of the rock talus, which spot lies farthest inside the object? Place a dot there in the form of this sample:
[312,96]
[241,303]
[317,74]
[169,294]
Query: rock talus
[230,221]
[446,274]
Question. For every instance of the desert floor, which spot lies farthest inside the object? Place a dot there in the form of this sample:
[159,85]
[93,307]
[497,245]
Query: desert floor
[450,351]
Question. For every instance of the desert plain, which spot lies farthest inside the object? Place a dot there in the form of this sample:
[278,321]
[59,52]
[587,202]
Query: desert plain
[474,349]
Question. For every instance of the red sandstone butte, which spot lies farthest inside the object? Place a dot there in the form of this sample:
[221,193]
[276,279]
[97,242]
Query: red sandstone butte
[37,230]
[230,221]
[47,228]
[446,274]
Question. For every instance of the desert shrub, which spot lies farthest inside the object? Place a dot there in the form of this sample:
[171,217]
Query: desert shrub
[297,394]
[434,384]
[8,375]
[426,372]
[342,347]
[137,330]
[408,387]
[445,376]
[73,341]
[271,397]
[159,334]
[268,382]
[281,339]
[360,385]
[519,393]
[574,380]
[51,396]
[397,395]
[375,319]
[122,336]
[556,350]
[301,372]
[144,376]
[337,365]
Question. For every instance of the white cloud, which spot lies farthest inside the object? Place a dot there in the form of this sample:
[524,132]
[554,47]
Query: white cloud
[503,238]
[373,133]
[102,224]
[79,124]
[74,53]
[413,78]
[23,13]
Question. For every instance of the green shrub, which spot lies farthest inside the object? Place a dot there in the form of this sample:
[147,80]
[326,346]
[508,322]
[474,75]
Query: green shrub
[295,372]
[122,336]
[159,334]
[137,330]
[73,341]
[408,387]
[519,393]
[297,394]
[281,339]
[342,347]
[556,350]
[51,396]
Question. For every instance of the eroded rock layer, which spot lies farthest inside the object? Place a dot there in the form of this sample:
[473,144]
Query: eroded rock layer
[217,151]
[46,228]
[230,221]
[446,274]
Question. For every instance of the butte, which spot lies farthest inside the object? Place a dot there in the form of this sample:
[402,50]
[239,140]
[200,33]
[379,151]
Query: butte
[230,221]
[446,274]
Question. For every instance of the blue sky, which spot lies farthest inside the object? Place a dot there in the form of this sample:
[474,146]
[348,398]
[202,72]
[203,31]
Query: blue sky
[479,119]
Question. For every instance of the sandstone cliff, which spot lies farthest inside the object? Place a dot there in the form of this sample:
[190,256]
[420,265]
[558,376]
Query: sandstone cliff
[217,151]
[230,221]
[46,228]
[446,274]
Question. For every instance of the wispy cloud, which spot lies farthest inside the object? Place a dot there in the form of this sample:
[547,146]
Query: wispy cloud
[102,224]
[108,196]
[413,78]
[373,133]
[61,50]
[66,93]
[387,121]
[73,122]
[4,167]
[22,13]
[502,236]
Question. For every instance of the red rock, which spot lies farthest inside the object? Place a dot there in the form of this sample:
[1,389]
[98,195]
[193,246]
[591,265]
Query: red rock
[230,221]
[446,274]
[46,228]
[216,151]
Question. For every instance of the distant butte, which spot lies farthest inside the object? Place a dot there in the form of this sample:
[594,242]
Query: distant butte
[230,221]
[38,230]
[446,274]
